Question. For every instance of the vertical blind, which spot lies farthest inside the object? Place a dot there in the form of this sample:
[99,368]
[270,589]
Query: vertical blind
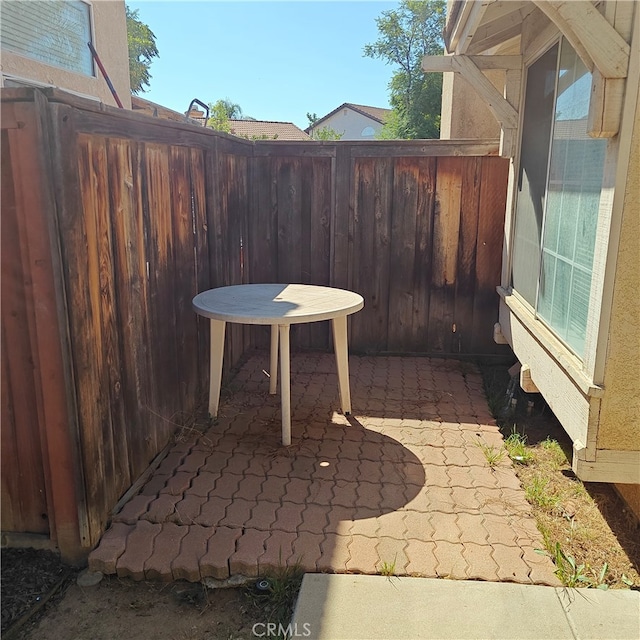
[55,32]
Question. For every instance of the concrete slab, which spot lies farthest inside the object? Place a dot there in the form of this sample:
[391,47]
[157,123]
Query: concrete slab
[354,607]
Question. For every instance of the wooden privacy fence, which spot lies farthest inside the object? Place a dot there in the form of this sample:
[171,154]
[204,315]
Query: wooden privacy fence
[415,228]
[112,221]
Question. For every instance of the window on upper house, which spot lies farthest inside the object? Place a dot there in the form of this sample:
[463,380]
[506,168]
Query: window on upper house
[55,32]
[368,132]
[559,187]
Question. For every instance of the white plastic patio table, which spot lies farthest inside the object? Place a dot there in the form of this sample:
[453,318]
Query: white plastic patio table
[278,305]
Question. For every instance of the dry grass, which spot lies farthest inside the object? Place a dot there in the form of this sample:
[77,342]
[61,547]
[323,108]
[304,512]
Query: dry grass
[586,527]
[587,521]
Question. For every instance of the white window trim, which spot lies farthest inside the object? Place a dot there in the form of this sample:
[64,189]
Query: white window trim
[607,235]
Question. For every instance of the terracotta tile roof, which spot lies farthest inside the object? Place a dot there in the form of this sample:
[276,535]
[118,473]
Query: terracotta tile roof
[257,129]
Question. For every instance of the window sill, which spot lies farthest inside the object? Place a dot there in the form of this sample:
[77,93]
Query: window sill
[568,362]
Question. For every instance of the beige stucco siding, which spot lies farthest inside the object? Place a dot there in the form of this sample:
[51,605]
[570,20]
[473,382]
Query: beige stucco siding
[464,112]
[350,124]
[110,41]
[620,412]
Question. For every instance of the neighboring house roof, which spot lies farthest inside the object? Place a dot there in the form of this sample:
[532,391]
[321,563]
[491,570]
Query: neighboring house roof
[257,129]
[158,111]
[375,113]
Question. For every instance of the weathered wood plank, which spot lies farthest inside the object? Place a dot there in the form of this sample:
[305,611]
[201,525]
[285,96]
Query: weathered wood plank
[99,340]
[199,189]
[185,281]
[462,340]
[319,246]
[289,201]
[446,226]
[341,176]
[64,167]
[161,309]
[130,277]
[402,254]
[371,259]
[491,208]
[24,471]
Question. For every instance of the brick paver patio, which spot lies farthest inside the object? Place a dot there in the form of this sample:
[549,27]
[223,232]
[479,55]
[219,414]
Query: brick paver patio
[402,482]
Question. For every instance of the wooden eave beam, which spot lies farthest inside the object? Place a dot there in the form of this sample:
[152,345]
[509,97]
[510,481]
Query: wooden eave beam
[444,63]
[595,40]
[498,30]
[464,35]
[469,69]
[453,31]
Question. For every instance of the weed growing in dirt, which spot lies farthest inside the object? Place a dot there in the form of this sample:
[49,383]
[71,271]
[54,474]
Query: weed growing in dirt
[274,595]
[516,445]
[493,455]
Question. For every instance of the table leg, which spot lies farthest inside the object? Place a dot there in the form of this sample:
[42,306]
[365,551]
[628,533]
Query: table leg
[285,384]
[273,366]
[342,361]
[215,365]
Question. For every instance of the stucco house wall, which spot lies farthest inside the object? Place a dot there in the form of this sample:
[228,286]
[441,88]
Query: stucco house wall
[110,41]
[352,124]
[464,113]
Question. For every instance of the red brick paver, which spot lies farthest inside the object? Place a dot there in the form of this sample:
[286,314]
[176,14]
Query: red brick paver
[401,485]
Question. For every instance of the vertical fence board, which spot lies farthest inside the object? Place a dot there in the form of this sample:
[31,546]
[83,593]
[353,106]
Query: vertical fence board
[114,436]
[491,212]
[371,257]
[22,464]
[402,250]
[466,272]
[446,227]
[131,286]
[318,248]
[422,258]
[185,270]
[199,189]
[342,174]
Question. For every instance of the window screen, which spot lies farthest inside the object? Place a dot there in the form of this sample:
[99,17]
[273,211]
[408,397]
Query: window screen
[559,185]
[53,31]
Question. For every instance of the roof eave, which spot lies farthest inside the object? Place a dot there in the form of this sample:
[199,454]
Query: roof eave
[463,20]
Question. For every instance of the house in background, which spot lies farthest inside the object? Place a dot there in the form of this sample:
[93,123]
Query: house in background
[559,82]
[353,121]
[45,44]
[266,130]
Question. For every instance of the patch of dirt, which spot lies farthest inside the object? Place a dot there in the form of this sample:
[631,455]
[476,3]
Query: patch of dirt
[589,522]
[116,608]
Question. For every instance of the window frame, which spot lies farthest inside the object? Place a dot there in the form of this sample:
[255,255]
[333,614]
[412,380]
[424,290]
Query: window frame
[60,68]
[586,360]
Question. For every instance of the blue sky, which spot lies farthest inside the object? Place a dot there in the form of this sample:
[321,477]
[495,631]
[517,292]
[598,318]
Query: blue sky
[277,60]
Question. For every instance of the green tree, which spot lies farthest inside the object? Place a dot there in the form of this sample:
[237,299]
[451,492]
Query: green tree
[221,112]
[142,50]
[408,33]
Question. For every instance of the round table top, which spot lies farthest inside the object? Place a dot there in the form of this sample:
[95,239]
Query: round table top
[276,303]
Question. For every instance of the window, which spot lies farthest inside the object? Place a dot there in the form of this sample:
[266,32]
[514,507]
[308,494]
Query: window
[53,31]
[368,132]
[559,185]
